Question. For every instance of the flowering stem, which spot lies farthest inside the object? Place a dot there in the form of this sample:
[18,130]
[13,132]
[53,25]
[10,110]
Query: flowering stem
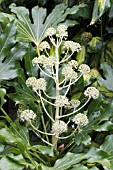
[68,88]
[62,61]
[76,110]
[68,135]
[49,96]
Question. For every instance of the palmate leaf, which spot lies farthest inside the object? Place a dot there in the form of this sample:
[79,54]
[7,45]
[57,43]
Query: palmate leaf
[10,53]
[100,7]
[108,74]
[35,32]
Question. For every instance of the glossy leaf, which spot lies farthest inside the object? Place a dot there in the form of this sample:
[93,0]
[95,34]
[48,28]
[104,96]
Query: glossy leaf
[79,167]
[35,32]
[2,95]
[100,7]
[12,162]
[95,44]
[47,150]
[108,73]
[81,55]
[107,146]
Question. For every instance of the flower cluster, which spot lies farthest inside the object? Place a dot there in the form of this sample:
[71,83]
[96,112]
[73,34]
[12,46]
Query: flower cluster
[61,101]
[73,64]
[50,32]
[69,73]
[80,119]
[73,46]
[62,31]
[86,36]
[46,61]
[91,92]
[59,127]
[27,115]
[74,103]
[84,69]
[44,45]
[36,84]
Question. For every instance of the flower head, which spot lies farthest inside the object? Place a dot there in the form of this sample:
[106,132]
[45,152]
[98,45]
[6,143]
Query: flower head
[73,64]
[80,119]
[69,73]
[44,45]
[50,32]
[62,31]
[27,115]
[74,103]
[86,36]
[36,84]
[73,46]
[61,101]
[39,60]
[92,92]
[84,69]
[59,127]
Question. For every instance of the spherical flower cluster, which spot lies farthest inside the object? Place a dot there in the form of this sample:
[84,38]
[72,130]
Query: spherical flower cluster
[91,92]
[27,115]
[73,46]
[61,101]
[80,119]
[46,61]
[73,64]
[86,36]
[50,32]
[44,45]
[59,127]
[69,73]
[62,31]
[74,103]
[36,84]
[84,69]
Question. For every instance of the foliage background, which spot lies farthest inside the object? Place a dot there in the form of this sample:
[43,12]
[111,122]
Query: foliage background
[92,148]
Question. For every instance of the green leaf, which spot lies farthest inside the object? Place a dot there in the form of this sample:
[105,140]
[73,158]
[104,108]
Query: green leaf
[81,55]
[46,150]
[100,7]
[108,73]
[2,95]
[95,44]
[104,127]
[107,146]
[79,167]
[11,162]
[35,32]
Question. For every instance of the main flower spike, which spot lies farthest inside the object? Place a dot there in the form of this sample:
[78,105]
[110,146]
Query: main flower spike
[80,119]
[84,69]
[91,92]
[61,101]
[73,46]
[27,115]
[59,127]
[36,84]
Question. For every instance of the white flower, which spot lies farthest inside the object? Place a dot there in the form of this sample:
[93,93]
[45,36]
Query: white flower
[80,119]
[73,46]
[91,92]
[74,103]
[61,101]
[50,32]
[69,73]
[73,64]
[36,84]
[62,31]
[27,115]
[59,127]
[44,45]
[84,69]
[39,60]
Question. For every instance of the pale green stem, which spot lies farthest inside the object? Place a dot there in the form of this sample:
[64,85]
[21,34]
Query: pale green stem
[76,110]
[46,110]
[49,96]
[43,122]
[45,72]
[68,135]
[43,139]
[68,88]
[62,61]
[44,133]
[71,83]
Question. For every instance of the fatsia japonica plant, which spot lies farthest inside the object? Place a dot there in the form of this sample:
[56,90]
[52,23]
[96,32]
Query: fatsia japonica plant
[50,64]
